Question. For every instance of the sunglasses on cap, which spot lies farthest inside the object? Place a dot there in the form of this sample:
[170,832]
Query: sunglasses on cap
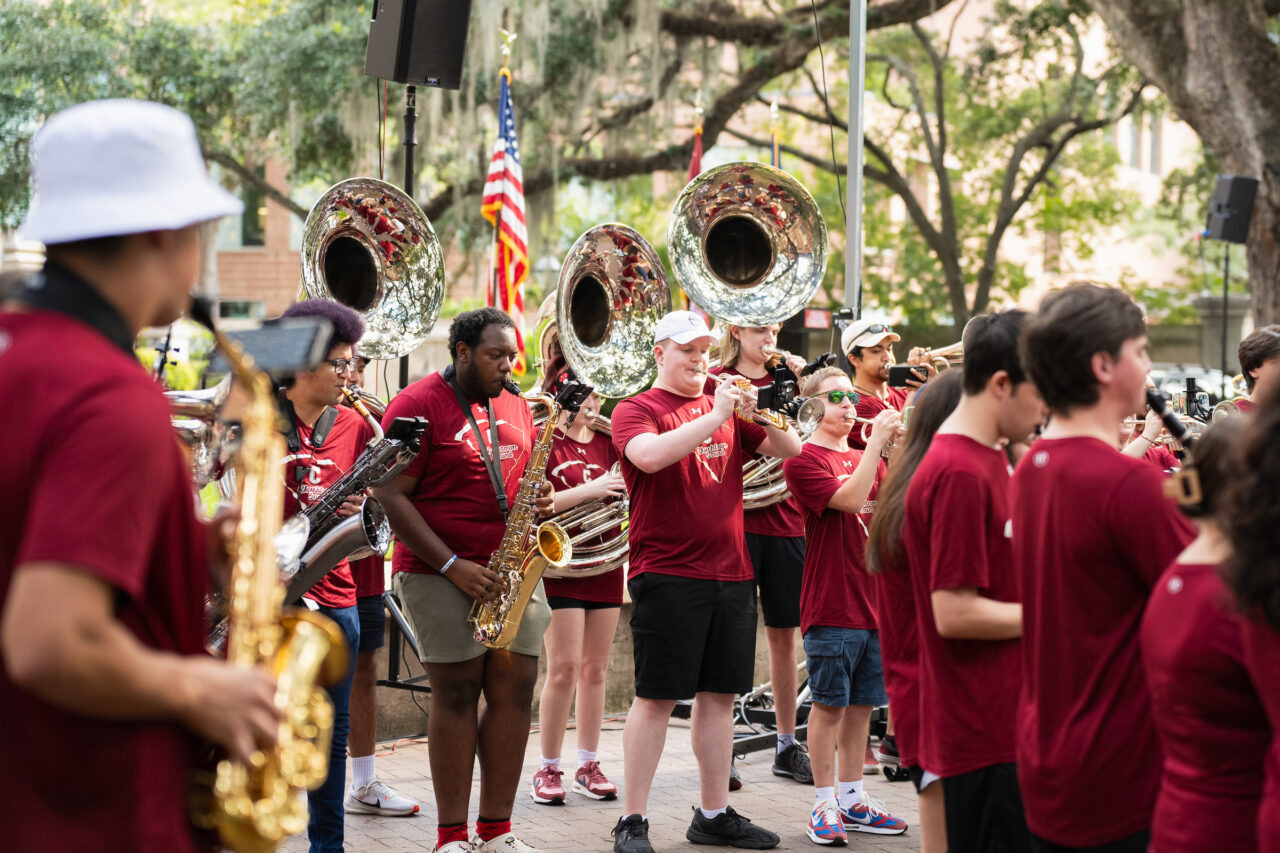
[876,329]
[837,396]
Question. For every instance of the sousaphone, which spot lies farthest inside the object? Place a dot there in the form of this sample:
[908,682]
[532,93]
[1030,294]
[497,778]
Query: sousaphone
[369,246]
[748,244]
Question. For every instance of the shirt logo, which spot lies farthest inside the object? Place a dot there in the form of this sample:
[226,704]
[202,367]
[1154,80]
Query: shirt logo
[5,340]
[1040,458]
[1175,585]
[695,410]
[1008,528]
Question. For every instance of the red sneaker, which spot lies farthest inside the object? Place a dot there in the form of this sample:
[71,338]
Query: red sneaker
[547,789]
[589,781]
[869,763]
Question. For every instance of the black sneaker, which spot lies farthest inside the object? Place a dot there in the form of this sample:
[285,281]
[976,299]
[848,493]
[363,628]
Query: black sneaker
[729,829]
[735,781]
[794,762]
[631,835]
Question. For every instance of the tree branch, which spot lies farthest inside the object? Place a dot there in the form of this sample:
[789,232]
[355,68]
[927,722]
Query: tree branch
[761,31]
[249,176]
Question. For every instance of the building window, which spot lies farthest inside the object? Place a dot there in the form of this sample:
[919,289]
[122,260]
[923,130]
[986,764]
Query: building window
[1155,163]
[242,309]
[253,222]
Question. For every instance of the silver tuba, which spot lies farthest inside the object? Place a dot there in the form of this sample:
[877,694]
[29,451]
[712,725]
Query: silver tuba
[369,246]
[611,293]
[748,244]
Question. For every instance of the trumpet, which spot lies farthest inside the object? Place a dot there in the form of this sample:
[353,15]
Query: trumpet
[852,416]
[941,357]
[777,420]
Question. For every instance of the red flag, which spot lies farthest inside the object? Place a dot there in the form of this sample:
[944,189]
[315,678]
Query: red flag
[503,205]
[695,162]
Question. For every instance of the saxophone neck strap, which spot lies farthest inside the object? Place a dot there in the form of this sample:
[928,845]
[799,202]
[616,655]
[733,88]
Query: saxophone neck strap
[318,434]
[491,456]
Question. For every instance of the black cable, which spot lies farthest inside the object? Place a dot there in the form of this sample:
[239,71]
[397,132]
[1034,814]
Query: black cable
[822,63]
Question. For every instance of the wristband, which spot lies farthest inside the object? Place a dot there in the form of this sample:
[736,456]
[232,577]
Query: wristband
[1147,440]
[448,563]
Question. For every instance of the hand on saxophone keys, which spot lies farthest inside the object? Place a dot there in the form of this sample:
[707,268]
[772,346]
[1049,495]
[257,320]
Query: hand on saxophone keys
[479,582]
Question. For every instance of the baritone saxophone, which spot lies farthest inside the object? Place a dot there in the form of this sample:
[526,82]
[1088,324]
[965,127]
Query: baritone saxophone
[255,806]
[527,547]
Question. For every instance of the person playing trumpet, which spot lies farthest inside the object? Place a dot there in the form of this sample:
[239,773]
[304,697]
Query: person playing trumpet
[584,611]
[868,345]
[835,484]
[775,544]
[694,616]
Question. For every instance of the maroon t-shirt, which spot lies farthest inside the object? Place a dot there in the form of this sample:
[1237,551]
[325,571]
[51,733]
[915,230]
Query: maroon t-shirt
[900,654]
[836,591]
[456,496]
[571,464]
[1160,457]
[370,575]
[869,405]
[1245,405]
[1211,723]
[956,534]
[319,468]
[686,519]
[1262,657]
[782,518]
[1092,530]
[91,476]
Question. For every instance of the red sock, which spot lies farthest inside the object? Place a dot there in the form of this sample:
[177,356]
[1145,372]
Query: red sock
[447,833]
[491,829]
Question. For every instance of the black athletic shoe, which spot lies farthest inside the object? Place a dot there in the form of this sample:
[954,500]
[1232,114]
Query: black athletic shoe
[794,762]
[631,835]
[729,829]
[735,781]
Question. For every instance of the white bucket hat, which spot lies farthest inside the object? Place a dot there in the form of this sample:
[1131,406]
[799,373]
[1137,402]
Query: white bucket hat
[119,167]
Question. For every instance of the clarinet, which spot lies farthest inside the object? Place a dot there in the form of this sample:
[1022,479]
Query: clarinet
[374,467]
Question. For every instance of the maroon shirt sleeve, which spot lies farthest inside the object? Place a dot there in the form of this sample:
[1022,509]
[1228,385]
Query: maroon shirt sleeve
[1146,525]
[86,508]
[957,540]
[630,419]
[810,482]
[405,405]
[750,436]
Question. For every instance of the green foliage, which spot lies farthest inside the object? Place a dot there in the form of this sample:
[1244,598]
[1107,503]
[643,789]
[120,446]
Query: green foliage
[178,375]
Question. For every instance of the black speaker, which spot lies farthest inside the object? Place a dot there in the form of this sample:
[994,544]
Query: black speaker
[1231,208]
[421,42]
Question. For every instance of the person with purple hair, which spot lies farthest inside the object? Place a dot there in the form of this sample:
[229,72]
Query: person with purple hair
[324,441]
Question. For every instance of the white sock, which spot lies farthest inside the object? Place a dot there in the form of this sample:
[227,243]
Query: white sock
[785,740]
[362,771]
[821,795]
[585,756]
[850,793]
[553,763]
[714,813]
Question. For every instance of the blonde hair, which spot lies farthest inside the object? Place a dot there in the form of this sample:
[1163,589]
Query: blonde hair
[731,348]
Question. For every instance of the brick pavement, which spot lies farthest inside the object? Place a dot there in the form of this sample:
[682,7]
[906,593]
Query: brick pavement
[580,825]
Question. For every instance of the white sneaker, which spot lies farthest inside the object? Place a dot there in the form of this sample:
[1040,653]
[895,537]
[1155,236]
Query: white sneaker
[456,847]
[505,843]
[380,798]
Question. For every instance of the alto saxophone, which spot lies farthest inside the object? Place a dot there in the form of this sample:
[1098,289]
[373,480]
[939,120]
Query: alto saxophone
[527,547]
[254,806]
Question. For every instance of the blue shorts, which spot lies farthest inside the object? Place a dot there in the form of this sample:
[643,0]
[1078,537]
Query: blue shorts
[844,666]
[373,622]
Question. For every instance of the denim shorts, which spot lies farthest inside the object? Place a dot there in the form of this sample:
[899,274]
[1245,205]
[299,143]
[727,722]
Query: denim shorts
[844,666]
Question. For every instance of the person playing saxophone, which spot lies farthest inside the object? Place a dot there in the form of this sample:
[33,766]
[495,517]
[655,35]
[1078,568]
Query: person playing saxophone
[448,512]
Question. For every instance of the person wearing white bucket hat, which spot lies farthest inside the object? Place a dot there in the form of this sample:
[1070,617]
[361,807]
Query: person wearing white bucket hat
[106,694]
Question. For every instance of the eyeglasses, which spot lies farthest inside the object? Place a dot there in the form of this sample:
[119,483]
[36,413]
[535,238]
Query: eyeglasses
[341,365]
[837,396]
[876,329]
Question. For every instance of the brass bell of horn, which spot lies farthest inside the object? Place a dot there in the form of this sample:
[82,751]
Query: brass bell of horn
[611,293]
[369,246]
[748,244]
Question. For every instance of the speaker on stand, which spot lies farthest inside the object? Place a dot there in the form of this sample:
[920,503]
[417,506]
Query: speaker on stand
[418,43]
[1230,211]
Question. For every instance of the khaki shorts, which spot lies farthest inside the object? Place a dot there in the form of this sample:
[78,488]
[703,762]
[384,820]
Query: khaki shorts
[437,611]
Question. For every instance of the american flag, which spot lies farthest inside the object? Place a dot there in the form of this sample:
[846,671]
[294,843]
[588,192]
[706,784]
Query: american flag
[503,206]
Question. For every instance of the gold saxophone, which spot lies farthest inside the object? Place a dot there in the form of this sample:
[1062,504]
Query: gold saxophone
[527,547]
[254,806]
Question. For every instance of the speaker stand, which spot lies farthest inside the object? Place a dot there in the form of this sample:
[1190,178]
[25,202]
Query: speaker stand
[410,142]
[1226,285]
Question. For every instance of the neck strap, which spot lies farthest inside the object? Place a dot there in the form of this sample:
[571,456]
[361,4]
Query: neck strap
[492,459]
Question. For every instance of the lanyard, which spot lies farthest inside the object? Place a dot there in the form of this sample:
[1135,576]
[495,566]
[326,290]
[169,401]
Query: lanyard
[491,459]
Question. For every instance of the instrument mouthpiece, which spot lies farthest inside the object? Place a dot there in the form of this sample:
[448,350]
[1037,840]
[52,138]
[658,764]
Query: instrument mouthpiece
[511,386]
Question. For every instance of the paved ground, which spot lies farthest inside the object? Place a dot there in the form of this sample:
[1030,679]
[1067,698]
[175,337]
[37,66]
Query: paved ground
[776,803]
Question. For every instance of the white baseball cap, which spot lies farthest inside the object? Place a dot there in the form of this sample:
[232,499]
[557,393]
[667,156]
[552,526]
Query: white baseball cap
[114,167]
[866,333]
[681,327]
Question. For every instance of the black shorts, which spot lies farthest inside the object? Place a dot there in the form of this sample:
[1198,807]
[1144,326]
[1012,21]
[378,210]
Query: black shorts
[692,636]
[563,602]
[373,622]
[984,811]
[1133,844]
[779,565]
